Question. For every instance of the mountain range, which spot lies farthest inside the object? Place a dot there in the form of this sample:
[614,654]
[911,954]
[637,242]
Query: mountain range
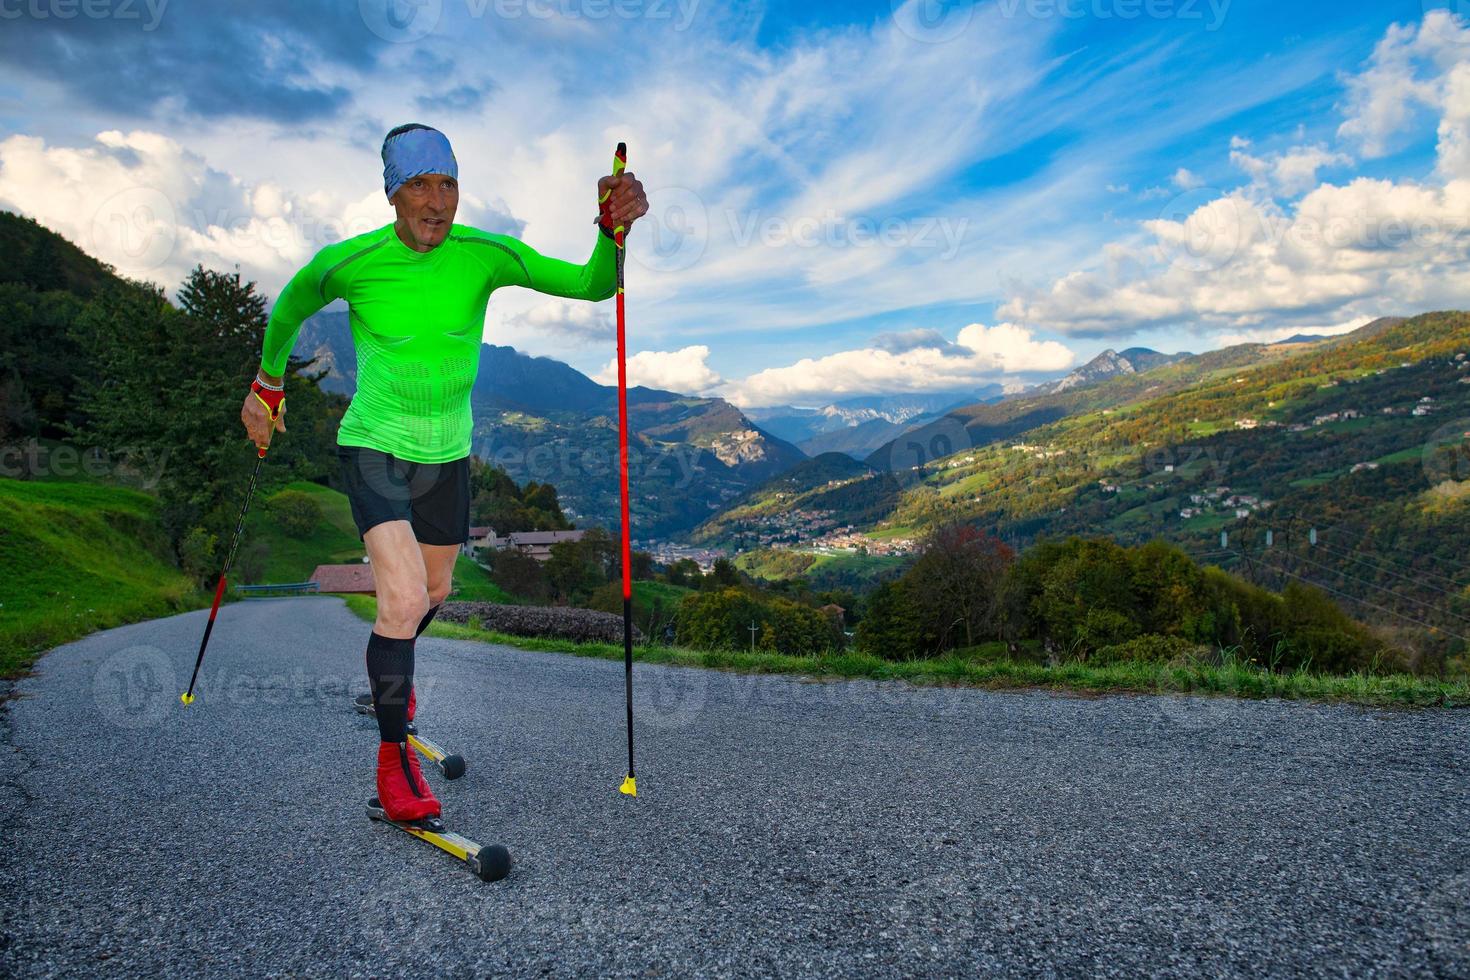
[1362,439]
[544,420]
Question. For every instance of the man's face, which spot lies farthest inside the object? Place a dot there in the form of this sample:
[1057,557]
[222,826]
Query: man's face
[425,207]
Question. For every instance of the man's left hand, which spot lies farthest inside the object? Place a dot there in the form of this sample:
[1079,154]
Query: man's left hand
[626,202]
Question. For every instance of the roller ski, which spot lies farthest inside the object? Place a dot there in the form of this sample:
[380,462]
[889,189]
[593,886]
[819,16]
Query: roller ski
[451,764]
[405,801]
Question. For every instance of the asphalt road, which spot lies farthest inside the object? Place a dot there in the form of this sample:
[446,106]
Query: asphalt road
[783,827]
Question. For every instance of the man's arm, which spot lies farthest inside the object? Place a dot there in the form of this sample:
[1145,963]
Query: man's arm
[304,295]
[594,280]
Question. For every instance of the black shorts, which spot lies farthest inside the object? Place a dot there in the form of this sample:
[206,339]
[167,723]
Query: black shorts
[433,497]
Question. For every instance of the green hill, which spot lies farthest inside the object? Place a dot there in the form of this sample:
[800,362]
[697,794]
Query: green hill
[1298,435]
[78,557]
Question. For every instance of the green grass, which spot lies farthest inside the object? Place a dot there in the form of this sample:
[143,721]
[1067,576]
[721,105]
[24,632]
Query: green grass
[78,557]
[472,584]
[293,558]
[988,667]
[666,595]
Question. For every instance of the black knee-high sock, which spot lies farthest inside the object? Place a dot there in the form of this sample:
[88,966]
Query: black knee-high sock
[424,623]
[390,672]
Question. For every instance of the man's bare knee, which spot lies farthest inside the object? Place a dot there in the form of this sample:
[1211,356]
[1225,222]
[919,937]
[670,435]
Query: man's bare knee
[400,610]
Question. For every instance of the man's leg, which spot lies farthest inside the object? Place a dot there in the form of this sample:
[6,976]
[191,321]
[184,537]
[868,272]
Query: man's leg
[439,571]
[403,602]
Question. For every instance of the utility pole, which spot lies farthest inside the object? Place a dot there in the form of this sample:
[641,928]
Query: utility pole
[752,636]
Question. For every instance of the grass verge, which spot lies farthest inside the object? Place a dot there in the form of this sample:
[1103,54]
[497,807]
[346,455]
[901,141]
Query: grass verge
[78,557]
[982,669]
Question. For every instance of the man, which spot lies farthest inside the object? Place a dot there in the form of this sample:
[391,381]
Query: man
[416,291]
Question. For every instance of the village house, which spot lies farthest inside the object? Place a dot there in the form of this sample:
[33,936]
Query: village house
[537,544]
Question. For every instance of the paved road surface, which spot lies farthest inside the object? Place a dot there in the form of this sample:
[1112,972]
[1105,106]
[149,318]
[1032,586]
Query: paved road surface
[783,827]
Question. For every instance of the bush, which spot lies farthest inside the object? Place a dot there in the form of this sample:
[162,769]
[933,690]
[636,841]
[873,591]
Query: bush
[720,619]
[1151,648]
[557,622]
[296,511]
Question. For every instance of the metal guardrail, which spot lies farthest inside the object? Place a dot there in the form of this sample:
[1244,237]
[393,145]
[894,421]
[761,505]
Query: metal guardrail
[276,589]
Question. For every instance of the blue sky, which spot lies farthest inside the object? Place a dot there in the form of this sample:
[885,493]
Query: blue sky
[848,198]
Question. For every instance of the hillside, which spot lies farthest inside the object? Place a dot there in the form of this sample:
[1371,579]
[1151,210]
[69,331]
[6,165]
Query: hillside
[1238,440]
[76,557]
[37,257]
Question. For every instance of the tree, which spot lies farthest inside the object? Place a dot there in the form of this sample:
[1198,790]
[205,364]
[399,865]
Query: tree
[684,573]
[890,624]
[725,573]
[296,511]
[520,575]
[956,585]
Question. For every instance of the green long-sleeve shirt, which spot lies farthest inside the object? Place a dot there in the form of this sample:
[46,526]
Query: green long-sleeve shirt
[417,320]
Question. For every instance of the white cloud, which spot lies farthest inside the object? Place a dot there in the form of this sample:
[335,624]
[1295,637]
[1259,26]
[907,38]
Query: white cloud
[1186,180]
[684,370]
[1250,262]
[573,323]
[984,354]
[1413,70]
[143,203]
[1269,335]
[1291,173]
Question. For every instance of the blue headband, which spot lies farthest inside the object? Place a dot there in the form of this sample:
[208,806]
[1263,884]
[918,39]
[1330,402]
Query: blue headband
[413,153]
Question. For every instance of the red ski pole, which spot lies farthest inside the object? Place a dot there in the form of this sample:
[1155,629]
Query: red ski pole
[219,590]
[630,785]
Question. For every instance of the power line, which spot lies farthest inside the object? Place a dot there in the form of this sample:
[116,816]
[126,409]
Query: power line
[1374,586]
[1389,571]
[1343,528]
[1389,561]
[1371,605]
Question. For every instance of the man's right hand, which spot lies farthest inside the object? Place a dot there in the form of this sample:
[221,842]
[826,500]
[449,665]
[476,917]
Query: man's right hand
[256,414]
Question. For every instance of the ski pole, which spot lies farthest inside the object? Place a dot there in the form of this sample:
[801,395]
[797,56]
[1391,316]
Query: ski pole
[630,785]
[219,590]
